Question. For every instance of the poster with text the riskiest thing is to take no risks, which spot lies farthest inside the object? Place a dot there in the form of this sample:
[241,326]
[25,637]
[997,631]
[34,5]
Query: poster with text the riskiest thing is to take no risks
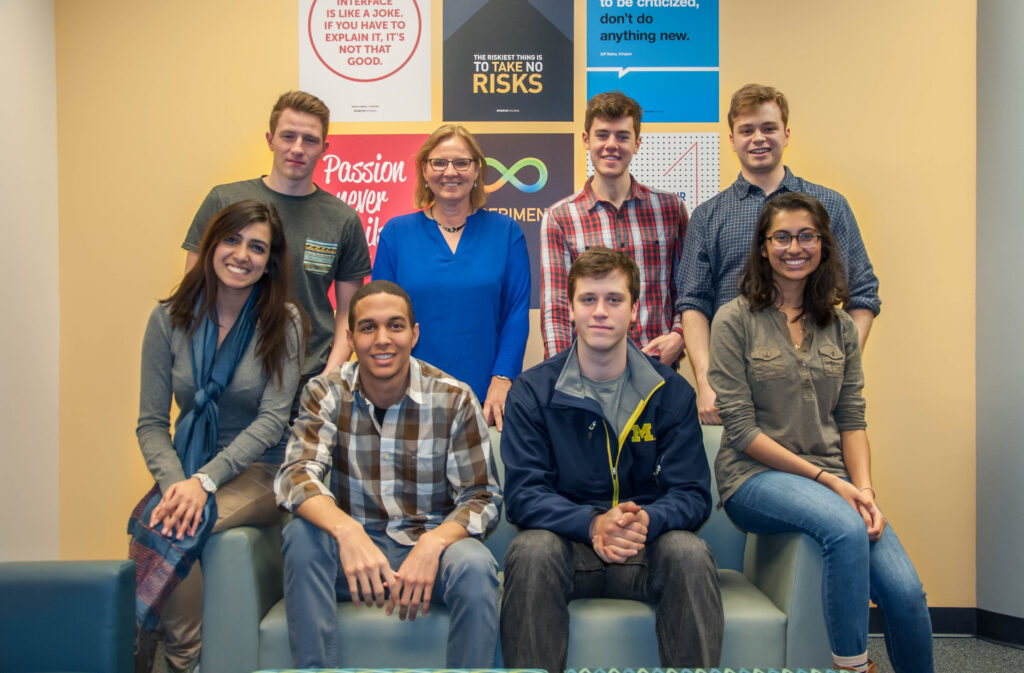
[508,60]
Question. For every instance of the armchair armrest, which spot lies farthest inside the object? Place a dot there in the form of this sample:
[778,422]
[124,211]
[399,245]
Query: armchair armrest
[786,567]
[243,573]
[67,615]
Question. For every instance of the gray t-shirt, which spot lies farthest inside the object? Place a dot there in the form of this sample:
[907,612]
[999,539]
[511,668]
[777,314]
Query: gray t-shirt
[609,395]
[252,410]
[325,241]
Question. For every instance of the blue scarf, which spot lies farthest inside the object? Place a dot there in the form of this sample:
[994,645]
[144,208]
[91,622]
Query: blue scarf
[161,562]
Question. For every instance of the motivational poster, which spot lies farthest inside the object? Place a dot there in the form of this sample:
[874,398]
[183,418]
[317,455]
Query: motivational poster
[663,53]
[375,174]
[508,60]
[526,173]
[369,60]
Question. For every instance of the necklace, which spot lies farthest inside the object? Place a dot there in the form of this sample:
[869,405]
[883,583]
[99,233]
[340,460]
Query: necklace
[450,230]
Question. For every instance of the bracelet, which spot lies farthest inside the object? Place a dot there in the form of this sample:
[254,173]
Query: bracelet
[819,474]
[868,488]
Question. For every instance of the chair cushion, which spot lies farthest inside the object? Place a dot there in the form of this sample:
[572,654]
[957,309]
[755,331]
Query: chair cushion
[396,644]
[610,633]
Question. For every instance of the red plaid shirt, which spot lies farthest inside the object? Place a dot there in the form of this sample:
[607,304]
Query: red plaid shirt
[649,227]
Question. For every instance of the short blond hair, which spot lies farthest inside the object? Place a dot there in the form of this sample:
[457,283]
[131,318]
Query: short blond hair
[423,195]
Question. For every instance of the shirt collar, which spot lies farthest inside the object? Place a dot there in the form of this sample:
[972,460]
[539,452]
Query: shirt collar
[588,199]
[350,374]
[743,188]
[643,376]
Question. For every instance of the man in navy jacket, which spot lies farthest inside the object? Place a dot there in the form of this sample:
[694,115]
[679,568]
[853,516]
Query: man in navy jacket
[606,477]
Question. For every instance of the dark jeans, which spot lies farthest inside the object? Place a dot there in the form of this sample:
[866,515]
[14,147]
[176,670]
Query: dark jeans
[544,571]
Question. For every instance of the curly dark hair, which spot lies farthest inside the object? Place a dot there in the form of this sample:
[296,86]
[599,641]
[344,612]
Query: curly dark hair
[826,285]
[200,284]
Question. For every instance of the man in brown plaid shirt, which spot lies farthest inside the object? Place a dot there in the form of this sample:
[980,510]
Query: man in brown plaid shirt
[413,490]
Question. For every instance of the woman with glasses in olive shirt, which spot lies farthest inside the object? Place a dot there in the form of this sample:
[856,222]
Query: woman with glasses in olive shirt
[786,367]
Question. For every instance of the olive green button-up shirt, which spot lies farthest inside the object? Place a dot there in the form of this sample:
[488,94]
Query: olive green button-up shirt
[802,398]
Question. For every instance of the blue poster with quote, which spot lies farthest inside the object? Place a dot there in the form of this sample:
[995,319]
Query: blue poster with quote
[663,53]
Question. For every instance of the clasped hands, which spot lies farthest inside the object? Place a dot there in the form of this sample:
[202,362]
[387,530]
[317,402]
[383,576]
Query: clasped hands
[863,502]
[180,509]
[372,582]
[620,533]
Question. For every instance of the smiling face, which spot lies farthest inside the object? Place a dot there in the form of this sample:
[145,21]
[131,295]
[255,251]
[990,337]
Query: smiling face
[611,144]
[297,144]
[450,185]
[602,311]
[793,264]
[382,339]
[240,260]
[758,138]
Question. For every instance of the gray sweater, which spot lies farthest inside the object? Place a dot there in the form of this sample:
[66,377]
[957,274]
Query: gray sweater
[253,409]
[803,399]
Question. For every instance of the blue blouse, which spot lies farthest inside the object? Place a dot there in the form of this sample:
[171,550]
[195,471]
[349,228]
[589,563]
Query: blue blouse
[473,305]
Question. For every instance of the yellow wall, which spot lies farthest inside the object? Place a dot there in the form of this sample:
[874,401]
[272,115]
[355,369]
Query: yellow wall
[160,101]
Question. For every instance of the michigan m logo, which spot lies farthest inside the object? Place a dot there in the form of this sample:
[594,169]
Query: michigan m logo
[642,433]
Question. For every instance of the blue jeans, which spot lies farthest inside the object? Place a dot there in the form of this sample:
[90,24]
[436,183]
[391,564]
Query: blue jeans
[854,568]
[314,582]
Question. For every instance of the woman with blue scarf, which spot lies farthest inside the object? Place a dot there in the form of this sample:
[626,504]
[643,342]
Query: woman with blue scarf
[227,346]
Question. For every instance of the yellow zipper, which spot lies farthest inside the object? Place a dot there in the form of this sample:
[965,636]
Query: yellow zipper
[613,466]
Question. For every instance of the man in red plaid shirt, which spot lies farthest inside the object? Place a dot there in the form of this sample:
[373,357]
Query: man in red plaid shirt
[615,211]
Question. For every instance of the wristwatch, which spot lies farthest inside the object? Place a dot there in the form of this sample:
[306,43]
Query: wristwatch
[206,482]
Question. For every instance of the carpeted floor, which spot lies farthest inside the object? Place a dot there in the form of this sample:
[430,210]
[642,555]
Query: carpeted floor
[959,655]
[952,655]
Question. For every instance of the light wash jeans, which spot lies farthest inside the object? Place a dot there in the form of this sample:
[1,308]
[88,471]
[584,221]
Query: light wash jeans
[314,582]
[854,568]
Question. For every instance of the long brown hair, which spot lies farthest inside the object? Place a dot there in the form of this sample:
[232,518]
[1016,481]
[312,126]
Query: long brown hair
[826,285]
[196,296]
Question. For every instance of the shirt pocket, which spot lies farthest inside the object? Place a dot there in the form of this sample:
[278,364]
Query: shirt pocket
[318,256]
[767,363]
[833,361]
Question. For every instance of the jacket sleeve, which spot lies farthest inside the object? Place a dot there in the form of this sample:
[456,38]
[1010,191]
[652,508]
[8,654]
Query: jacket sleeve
[531,500]
[684,499]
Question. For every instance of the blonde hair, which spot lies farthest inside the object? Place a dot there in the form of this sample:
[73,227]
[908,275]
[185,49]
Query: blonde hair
[423,195]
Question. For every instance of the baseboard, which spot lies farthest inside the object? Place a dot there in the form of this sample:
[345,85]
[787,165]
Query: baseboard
[1001,628]
[966,622]
[945,621]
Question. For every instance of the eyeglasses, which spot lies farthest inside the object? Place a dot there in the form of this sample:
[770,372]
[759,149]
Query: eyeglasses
[439,164]
[782,239]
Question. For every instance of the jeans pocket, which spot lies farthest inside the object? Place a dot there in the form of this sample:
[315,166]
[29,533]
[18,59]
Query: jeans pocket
[767,363]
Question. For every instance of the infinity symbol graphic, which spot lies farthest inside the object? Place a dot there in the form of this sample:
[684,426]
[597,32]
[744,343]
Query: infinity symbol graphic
[509,175]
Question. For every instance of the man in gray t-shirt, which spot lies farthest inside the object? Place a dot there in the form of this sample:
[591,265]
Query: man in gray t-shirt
[325,237]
